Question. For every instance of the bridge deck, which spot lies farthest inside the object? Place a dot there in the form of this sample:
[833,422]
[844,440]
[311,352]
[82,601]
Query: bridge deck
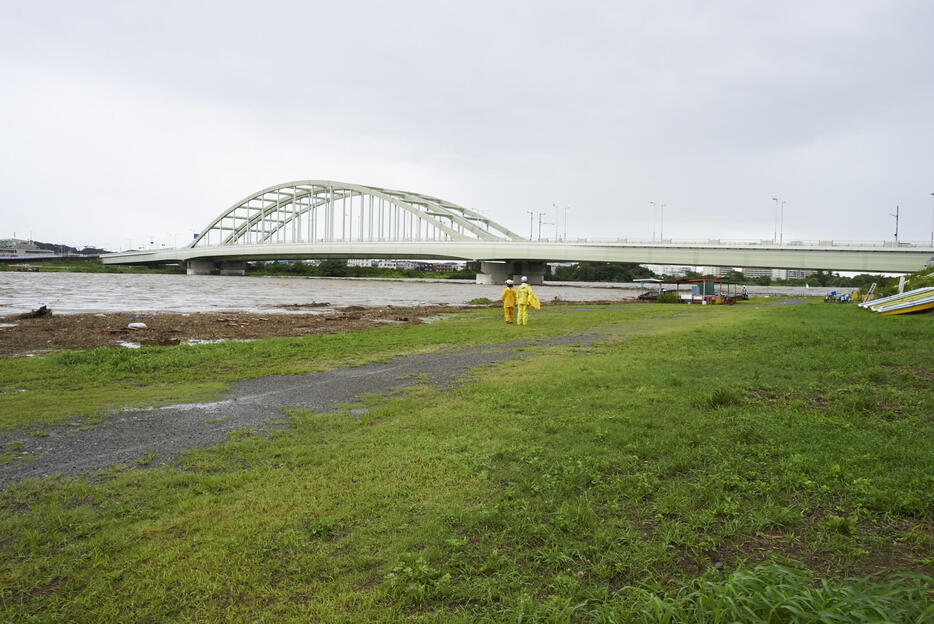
[867,257]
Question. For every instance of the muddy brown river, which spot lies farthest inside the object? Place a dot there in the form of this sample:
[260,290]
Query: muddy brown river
[72,293]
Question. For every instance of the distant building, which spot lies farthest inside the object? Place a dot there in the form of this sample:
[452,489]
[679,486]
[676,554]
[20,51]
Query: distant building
[669,270]
[798,273]
[716,271]
[396,264]
[442,267]
[18,247]
[428,267]
[754,272]
[789,274]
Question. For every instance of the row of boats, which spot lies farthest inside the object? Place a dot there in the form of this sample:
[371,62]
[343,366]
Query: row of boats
[903,303]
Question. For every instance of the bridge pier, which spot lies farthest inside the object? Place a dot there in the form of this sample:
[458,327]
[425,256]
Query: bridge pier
[233,268]
[499,272]
[199,267]
[205,267]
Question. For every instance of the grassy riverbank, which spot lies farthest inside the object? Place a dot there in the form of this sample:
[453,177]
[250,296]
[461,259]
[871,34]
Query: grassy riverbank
[90,265]
[85,384]
[640,478]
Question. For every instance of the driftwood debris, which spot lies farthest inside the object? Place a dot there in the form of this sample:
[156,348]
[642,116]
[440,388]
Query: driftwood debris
[41,312]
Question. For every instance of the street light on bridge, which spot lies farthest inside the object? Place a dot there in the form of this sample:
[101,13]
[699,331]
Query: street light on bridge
[540,223]
[556,206]
[775,222]
[654,219]
[896,223]
[658,217]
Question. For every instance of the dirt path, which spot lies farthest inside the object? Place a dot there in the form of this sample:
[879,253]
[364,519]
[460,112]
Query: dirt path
[156,436]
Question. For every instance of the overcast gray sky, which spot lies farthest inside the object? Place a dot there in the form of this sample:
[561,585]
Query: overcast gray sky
[127,122]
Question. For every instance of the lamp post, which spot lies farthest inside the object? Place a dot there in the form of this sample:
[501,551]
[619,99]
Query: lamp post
[555,206]
[654,219]
[661,222]
[566,224]
[896,223]
[540,223]
[775,222]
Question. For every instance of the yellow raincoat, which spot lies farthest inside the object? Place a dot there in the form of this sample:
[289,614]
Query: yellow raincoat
[523,295]
[509,302]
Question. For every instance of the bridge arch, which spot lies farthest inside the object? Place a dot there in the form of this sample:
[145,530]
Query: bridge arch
[326,211]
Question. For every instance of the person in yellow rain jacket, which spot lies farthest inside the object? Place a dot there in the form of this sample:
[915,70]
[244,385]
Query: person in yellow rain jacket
[509,301]
[523,295]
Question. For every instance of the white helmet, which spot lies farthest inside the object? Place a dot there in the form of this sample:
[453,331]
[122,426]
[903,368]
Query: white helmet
[509,282]
[524,279]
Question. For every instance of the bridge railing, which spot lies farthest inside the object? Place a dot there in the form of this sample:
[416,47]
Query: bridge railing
[708,242]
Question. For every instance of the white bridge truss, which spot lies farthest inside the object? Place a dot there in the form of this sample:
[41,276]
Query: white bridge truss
[327,219]
[324,211]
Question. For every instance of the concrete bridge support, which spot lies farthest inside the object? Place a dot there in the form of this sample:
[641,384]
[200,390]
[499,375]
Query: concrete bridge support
[499,272]
[233,268]
[205,267]
[199,267]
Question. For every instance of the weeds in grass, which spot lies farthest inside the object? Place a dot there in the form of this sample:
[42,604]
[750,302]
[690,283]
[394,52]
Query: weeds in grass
[720,397]
[147,457]
[776,593]
[842,525]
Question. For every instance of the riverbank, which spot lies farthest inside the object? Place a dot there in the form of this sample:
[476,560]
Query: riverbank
[33,336]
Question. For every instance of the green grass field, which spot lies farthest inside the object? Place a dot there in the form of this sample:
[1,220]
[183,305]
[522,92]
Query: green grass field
[711,464]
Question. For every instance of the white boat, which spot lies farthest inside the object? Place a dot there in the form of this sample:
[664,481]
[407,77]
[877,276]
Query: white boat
[907,295]
[925,301]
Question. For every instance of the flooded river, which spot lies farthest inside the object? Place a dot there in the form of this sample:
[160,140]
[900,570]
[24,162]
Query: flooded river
[72,293]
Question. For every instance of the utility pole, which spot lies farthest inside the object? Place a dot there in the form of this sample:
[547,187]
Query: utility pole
[896,223]
[531,223]
[566,225]
[540,225]
[932,219]
[661,223]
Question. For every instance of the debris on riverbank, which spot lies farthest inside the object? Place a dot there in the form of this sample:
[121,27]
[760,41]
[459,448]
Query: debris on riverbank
[33,335]
[41,312]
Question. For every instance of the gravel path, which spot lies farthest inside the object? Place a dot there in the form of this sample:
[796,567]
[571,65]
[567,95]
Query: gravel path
[159,434]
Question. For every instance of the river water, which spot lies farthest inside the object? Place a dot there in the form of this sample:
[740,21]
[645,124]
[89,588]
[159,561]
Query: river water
[72,293]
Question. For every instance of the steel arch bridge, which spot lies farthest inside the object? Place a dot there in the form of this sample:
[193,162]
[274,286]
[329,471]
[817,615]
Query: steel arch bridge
[328,219]
[325,211]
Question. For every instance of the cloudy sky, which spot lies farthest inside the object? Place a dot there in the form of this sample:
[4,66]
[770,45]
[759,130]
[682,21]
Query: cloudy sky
[127,122]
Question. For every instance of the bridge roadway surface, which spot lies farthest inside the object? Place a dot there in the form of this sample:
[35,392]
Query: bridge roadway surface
[826,255]
[129,435]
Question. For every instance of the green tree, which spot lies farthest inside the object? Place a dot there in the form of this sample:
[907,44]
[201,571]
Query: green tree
[602,272]
[333,267]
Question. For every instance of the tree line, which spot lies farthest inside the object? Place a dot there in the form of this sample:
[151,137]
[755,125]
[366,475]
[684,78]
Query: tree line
[630,272]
